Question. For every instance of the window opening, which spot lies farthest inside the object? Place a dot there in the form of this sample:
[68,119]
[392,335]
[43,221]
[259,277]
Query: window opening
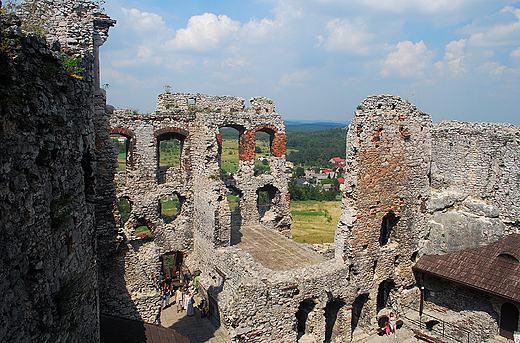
[171,264]
[233,198]
[262,153]
[306,307]
[331,314]
[357,308]
[170,207]
[387,225]
[121,144]
[124,209]
[265,198]
[142,232]
[170,152]
[229,158]
[508,257]
[383,293]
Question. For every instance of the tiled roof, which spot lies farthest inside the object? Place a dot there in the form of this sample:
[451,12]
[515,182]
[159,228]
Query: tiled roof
[494,268]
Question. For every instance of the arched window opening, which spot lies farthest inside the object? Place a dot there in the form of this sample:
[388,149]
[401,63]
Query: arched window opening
[228,150]
[332,325]
[357,308]
[383,294]
[170,207]
[124,208]
[387,225]
[170,152]
[265,198]
[171,267]
[306,307]
[121,143]
[262,153]
[169,156]
[508,320]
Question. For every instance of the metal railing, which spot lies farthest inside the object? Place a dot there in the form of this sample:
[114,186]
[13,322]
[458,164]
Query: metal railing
[430,325]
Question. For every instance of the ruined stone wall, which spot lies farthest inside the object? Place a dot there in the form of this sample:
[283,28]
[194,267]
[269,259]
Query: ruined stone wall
[48,171]
[475,179]
[47,141]
[387,189]
[194,119]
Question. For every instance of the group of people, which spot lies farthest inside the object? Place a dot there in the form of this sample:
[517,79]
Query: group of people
[392,325]
[183,299]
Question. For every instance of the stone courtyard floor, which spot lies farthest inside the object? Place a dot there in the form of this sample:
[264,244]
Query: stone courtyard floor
[260,242]
[197,329]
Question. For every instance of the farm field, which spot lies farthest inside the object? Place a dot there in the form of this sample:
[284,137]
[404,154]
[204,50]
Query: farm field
[315,221]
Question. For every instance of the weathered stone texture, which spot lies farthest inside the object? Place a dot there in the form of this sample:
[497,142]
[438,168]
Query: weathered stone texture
[193,119]
[49,280]
[384,205]
[475,178]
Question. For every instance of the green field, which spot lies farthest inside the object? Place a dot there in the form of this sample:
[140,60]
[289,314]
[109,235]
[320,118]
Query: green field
[170,207]
[229,156]
[143,229]
[314,221]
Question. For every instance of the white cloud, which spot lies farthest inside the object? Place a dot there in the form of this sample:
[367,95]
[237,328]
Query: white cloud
[500,29]
[493,68]
[515,53]
[143,21]
[234,62]
[348,36]
[455,49]
[297,78]
[455,59]
[430,6]
[409,60]
[262,28]
[204,32]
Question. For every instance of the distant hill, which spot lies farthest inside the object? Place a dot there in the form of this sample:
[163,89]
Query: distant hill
[306,126]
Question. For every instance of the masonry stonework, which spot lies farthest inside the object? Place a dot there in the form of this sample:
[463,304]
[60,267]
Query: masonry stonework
[412,188]
[47,174]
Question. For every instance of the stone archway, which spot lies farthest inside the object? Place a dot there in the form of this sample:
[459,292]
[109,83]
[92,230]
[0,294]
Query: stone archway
[508,320]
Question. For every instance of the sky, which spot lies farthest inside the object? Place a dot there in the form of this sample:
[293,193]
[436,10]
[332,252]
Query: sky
[318,59]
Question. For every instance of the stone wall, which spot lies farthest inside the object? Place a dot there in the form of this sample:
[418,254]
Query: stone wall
[475,178]
[48,188]
[195,120]
[384,204]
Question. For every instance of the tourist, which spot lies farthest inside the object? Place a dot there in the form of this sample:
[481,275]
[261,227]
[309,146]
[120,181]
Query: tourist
[178,299]
[387,329]
[188,304]
[393,324]
[204,310]
[167,294]
[163,297]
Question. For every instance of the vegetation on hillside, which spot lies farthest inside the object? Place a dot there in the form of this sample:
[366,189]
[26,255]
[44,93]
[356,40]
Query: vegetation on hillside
[316,148]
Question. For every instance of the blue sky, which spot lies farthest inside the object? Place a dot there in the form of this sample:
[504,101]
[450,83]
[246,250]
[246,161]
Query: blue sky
[318,59]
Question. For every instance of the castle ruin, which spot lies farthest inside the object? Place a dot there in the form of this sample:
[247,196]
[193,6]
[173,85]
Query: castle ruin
[414,188]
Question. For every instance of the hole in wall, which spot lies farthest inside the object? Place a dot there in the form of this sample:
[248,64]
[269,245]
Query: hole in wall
[383,294]
[387,226]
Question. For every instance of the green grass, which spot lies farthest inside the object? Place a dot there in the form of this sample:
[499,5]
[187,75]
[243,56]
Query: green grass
[314,221]
[229,156]
[143,229]
[170,207]
[121,161]
[233,202]
[124,208]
